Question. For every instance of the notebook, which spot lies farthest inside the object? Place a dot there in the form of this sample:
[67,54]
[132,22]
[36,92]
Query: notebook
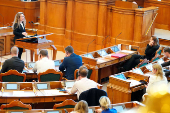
[118,55]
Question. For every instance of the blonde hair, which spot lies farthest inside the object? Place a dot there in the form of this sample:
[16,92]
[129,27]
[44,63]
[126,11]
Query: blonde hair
[81,107]
[159,72]
[17,20]
[104,102]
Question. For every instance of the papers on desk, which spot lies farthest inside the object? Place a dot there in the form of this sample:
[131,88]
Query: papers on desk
[22,93]
[100,60]
[134,83]
[126,51]
[53,92]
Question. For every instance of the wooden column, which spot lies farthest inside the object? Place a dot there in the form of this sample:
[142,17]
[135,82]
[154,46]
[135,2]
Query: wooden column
[143,20]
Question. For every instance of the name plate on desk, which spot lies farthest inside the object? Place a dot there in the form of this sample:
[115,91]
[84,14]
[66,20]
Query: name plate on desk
[42,86]
[12,86]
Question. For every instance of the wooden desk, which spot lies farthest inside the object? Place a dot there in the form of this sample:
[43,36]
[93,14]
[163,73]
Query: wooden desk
[35,47]
[39,96]
[107,65]
[120,90]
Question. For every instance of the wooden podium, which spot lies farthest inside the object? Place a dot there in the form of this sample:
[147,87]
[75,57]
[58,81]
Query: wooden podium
[35,44]
[124,4]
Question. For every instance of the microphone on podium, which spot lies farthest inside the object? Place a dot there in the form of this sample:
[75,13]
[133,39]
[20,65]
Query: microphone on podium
[34,29]
[88,46]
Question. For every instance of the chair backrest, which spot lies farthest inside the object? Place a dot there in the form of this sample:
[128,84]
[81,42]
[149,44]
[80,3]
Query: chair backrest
[16,105]
[143,63]
[155,58]
[68,103]
[92,94]
[50,75]
[91,70]
[12,76]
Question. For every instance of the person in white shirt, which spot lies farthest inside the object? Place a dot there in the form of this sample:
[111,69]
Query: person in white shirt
[44,63]
[83,83]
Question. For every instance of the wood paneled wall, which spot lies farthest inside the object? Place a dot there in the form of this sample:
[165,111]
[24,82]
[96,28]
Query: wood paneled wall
[78,22]
[163,18]
[9,8]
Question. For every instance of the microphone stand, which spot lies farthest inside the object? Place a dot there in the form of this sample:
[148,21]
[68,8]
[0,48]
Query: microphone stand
[32,27]
[102,44]
[88,46]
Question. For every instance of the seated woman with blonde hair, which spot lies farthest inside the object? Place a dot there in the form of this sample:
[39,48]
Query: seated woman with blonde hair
[157,76]
[81,107]
[105,106]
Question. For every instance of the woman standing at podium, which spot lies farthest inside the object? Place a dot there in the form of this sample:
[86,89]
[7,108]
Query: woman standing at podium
[19,29]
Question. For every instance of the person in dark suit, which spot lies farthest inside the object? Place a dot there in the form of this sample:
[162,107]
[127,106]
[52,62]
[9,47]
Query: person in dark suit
[150,51]
[19,29]
[166,54]
[71,62]
[13,63]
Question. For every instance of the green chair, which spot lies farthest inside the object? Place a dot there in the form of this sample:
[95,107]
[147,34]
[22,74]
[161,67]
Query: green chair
[16,105]
[12,76]
[50,75]
[90,71]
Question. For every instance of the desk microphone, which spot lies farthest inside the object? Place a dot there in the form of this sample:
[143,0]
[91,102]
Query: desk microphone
[102,44]
[2,20]
[88,46]
[34,28]
[117,36]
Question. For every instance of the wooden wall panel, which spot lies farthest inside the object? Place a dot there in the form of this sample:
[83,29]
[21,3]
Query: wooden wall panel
[9,8]
[162,20]
[77,23]
[122,19]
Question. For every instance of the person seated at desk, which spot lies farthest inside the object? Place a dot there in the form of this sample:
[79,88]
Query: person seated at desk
[14,63]
[157,76]
[83,83]
[166,54]
[105,106]
[44,63]
[150,51]
[71,62]
[81,107]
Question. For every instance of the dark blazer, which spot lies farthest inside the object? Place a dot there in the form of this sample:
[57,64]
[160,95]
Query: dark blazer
[13,63]
[92,96]
[165,64]
[18,31]
[71,63]
[150,51]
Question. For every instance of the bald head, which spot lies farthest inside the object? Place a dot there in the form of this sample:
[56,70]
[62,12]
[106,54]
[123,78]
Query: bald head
[14,51]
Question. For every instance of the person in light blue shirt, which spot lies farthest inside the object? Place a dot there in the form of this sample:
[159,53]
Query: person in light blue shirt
[105,106]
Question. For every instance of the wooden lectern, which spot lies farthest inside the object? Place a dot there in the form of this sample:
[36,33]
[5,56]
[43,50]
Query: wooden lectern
[35,44]
[124,4]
